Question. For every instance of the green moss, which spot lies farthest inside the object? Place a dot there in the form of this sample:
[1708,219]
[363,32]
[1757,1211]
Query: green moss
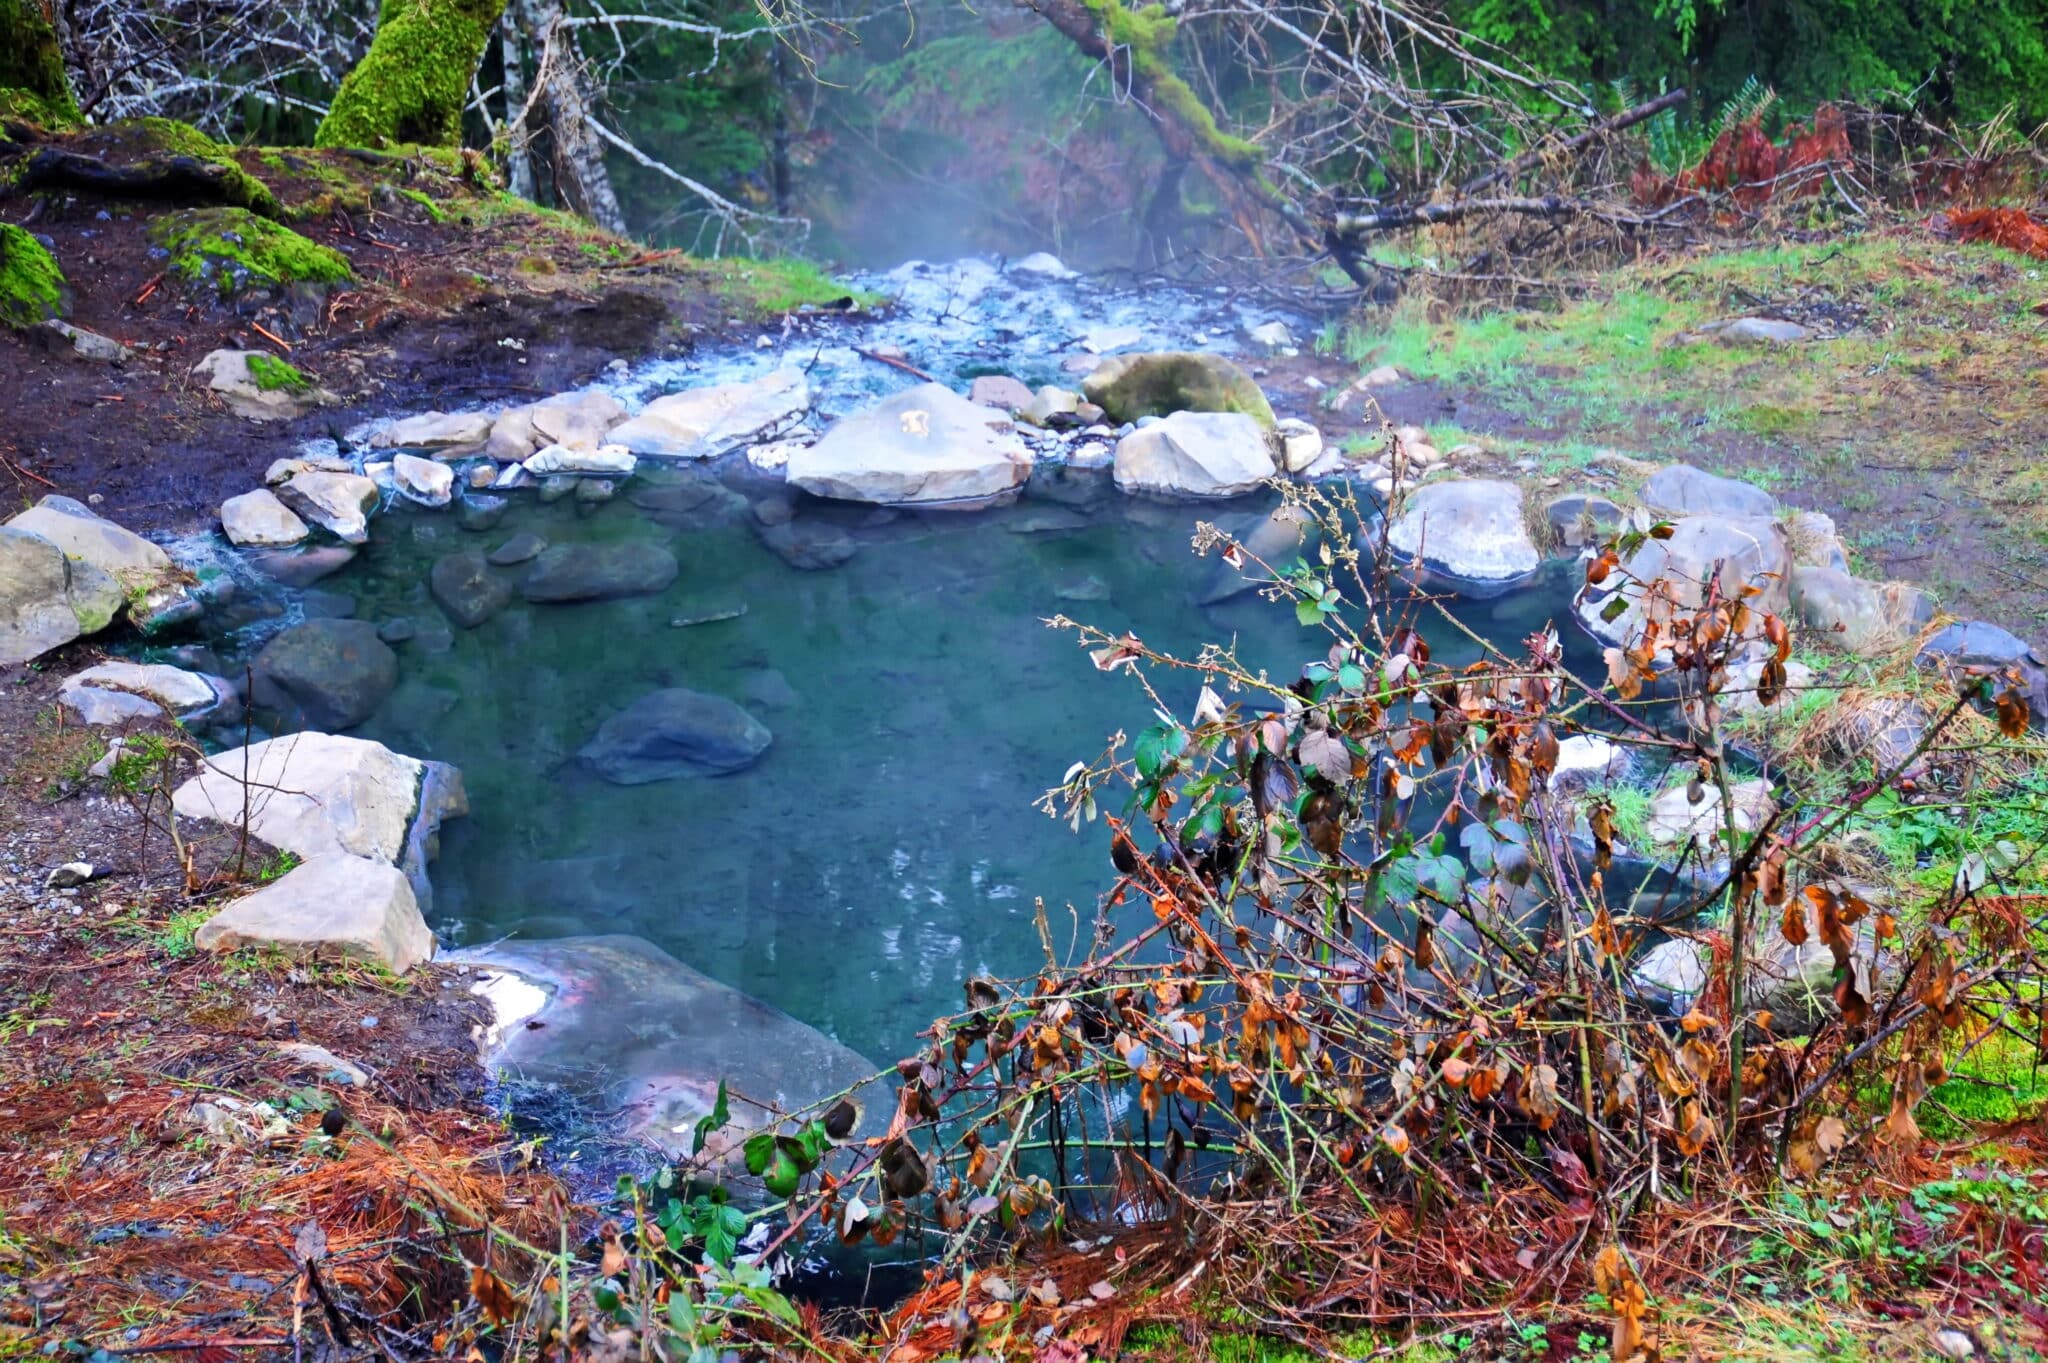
[233,250]
[1133,386]
[412,83]
[182,139]
[274,375]
[1146,33]
[435,213]
[31,285]
[32,83]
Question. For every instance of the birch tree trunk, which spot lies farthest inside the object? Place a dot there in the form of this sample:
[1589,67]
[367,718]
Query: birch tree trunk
[518,161]
[576,153]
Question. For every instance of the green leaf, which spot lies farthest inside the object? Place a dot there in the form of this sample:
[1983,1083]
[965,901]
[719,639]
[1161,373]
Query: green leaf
[719,1246]
[1308,612]
[1351,677]
[775,1304]
[720,1114]
[757,1150]
[1613,610]
[626,1187]
[815,1142]
[733,1221]
[782,1174]
[1156,746]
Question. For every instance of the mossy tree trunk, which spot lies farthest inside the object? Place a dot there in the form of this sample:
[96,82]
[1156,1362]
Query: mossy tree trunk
[410,87]
[32,81]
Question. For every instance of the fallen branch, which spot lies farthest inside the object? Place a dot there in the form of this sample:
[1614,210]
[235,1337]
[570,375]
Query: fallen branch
[895,363]
[1607,127]
[174,179]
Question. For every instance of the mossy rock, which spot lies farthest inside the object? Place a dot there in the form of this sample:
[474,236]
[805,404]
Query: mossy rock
[168,135]
[273,375]
[232,251]
[31,285]
[1131,386]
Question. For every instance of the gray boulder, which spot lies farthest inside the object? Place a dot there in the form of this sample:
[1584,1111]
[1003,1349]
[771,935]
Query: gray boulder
[113,692]
[1000,391]
[925,444]
[631,1031]
[46,599]
[468,589]
[1975,647]
[84,537]
[1195,454]
[324,674]
[672,733]
[598,572]
[1750,552]
[1579,519]
[1860,617]
[1466,537]
[1131,386]
[1682,490]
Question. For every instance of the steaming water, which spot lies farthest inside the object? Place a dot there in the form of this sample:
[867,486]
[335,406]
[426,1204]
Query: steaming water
[885,848]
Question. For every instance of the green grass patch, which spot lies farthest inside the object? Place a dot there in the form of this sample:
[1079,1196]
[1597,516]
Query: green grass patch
[766,287]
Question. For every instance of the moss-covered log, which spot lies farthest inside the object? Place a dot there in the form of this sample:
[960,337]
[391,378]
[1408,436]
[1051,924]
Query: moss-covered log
[411,85]
[32,82]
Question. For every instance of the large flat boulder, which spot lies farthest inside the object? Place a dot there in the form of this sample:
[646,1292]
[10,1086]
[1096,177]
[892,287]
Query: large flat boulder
[1682,490]
[47,599]
[331,907]
[1272,543]
[630,1030]
[448,431]
[319,795]
[125,556]
[1195,454]
[703,423]
[1858,616]
[925,444]
[1128,387]
[469,588]
[1467,537]
[1977,647]
[675,732]
[1749,552]
[324,674]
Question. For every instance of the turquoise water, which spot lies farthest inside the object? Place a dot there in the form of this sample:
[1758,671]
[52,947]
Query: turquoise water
[885,848]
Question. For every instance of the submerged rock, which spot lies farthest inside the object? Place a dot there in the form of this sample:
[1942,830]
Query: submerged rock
[672,733]
[807,544]
[465,586]
[1467,537]
[1195,454]
[1131,386]
[1275,540]
[324,674]
[637,1034]
[703,423]
[598,572]
[523,547]
[925,444]
[329,908]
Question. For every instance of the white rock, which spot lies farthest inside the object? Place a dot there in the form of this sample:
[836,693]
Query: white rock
[318,795]
[1381,377]
[228,374]
[706,422]
[1043,263]
[773,456]
[511,476]
[189,696]
[330,1065]
[259,520]
[1674,819]
[1271,337]
[283,470]
[1588,759]
[46,599]
[925,444]
[610,461]
[69,876]
[127,557]
[1300,444]
[1195,454]
[329,907]
[1468,536]
[436,430]
[426,481]
[340,503]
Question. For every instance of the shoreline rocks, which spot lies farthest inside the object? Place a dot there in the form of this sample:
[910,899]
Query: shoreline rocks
[926,444]
[673,733]
[1468,537]
[1195,454]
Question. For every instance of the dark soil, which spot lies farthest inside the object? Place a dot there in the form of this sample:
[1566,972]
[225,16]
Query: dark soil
[473,300]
